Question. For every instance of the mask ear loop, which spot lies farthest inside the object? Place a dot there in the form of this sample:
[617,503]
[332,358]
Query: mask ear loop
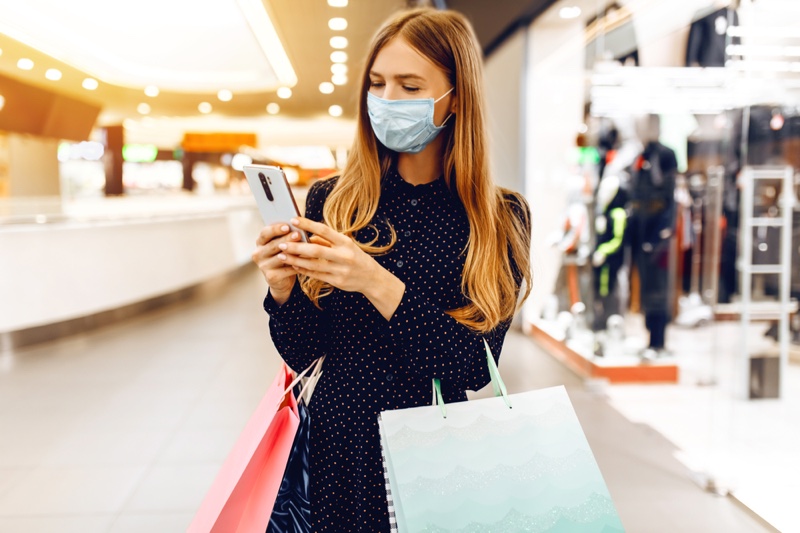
[448,116]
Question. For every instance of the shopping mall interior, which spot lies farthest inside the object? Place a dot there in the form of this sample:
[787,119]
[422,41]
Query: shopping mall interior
[657,143]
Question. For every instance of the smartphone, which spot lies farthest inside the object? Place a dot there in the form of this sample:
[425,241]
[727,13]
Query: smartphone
[273,195]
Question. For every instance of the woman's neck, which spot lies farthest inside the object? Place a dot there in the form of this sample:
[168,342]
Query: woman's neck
[424,167]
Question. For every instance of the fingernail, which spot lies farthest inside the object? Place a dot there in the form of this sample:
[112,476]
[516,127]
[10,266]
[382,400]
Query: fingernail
[284,228]
[295,221]
[282,246]
[295,235]
[282,257]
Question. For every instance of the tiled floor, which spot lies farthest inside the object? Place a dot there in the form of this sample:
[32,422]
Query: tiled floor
[123,429]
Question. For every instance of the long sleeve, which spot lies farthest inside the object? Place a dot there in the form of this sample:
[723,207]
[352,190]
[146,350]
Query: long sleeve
[435,345]
[298,328]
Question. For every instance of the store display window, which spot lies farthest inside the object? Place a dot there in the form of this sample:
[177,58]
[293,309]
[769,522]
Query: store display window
[672,256]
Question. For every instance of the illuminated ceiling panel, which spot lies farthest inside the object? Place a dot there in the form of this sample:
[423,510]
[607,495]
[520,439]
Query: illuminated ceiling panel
[175,45]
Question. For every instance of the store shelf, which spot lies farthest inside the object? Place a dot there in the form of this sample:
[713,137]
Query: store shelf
[633,372]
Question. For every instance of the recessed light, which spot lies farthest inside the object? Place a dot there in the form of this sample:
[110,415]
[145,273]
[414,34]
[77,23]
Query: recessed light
[335,110]
[339,42]
[337,24]
[204,107]
[53,74]
[326,87]
[273,108]
[151,91]
[284,92]
[337,3]
[25,64]
[570,12]
[143,109]
[339,68]
[339,57]
[90,84]
[225,95]
[339,79]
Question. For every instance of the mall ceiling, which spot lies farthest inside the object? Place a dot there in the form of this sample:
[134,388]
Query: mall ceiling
[223,44]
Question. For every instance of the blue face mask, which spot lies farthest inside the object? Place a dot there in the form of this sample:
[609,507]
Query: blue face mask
[404,125]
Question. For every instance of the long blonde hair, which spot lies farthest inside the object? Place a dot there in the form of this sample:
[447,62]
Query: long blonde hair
[497,253]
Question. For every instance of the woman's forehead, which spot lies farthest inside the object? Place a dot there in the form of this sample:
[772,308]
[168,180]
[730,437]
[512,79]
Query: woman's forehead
[398,59]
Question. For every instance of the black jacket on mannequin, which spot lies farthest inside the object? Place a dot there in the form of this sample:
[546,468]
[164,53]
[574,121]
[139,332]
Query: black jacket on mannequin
[652,221]
[708,39]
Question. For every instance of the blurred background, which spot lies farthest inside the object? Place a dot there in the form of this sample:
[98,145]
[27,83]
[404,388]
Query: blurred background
[132,343]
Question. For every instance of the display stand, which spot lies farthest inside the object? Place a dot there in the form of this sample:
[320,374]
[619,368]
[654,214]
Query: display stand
[611,369]
[750,220]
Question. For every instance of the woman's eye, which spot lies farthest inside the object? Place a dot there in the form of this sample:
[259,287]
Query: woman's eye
[376,84]
[411,89]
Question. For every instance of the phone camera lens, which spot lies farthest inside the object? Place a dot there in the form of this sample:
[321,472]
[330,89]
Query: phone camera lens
[265,185]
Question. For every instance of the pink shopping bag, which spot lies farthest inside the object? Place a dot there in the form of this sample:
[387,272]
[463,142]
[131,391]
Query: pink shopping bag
[242,496]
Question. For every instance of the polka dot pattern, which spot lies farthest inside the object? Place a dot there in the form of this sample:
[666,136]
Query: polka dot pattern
[373,365]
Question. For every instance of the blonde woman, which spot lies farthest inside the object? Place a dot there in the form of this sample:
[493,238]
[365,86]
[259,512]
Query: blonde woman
[416,258]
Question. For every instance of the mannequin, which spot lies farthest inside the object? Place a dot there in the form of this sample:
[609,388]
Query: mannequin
[652,209]
[573,241]
[610,223]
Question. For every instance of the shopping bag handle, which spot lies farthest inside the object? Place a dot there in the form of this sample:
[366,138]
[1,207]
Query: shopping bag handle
[312,381]
[498,385]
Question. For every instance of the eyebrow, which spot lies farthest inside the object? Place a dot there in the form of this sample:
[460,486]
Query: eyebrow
[399,76]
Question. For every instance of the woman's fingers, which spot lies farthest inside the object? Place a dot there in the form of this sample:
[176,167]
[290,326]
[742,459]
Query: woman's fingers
[330,235]
[306,263]
[268,233]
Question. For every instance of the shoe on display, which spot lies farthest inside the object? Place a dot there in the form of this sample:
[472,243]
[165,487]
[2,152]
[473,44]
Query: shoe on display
[648,355]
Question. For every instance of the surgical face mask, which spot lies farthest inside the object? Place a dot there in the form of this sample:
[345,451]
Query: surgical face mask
[404,125]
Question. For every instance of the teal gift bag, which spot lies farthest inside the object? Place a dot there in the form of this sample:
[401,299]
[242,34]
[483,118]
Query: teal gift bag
[515,462]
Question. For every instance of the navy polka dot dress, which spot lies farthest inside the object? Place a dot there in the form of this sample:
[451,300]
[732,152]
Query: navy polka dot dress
[373,365]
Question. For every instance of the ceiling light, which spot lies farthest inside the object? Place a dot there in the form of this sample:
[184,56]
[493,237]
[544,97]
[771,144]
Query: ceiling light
[264,31]
[339,57]
[2,101]
[143,109]
[151,91]
[284,92]
[225,95]
[337,24]
[339,79]
[204,108]
[570,12]
[339,42]
[25,64]
[339,68]
[337,3]
[335,110]
[273,108]
[326,87]
[90,84]
[53,74]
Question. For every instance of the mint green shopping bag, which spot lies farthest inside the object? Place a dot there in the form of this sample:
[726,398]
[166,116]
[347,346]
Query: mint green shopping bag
[515,462]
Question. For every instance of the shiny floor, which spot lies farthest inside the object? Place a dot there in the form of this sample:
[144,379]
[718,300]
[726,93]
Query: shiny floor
[124,428]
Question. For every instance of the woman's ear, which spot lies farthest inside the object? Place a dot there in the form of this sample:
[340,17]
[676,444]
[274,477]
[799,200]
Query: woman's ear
[453,103]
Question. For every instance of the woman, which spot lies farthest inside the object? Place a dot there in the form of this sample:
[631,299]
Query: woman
[416,258]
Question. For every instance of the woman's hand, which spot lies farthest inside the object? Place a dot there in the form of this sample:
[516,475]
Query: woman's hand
[280,276]
[336,259]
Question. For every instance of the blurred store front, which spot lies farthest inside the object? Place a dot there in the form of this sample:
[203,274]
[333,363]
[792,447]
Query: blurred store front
[661,160]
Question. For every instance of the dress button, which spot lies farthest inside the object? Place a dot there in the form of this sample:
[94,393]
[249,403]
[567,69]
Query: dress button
[389,376]
[407,233]
[414,202]
[400,264]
